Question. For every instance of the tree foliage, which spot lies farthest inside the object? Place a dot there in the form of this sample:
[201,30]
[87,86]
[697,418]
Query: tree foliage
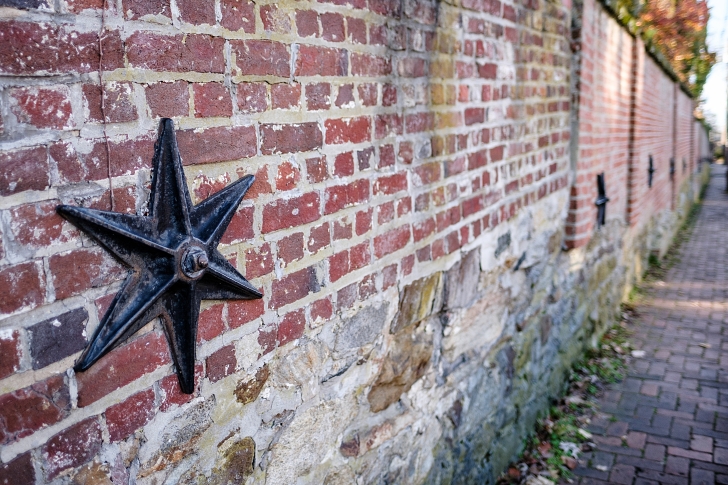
[677,29]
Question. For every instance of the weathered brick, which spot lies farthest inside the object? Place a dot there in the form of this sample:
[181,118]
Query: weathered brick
[72,447]
[386,156]
[348,130]
[342,229]
[390,184]
[240,228]
[293,287]
[364,158]
[238,15]
[385,212]
[258,261]
[275,19]
[118,105]
[79,270]
[261,57]
[287,177]
[285,96]
[319,238]
[340,196]
[27,410]
[196,12]
[216,144]
[321,61]
[318,96]
[488,70]
[387,125]
[210,323]
[122,366]
[70,166]
[391,241]
[291,327]
[363,222]
[496,153]
[477,159]
[56,338]
[389,276]
[10,351]
[370,65]
[124,157]
[193,52]
[418,122]
[221,363]
[267,338]
[346,297]
[359,256]
[307,23]
[24,169]
[252,97]
[367,287]
[290,248]
[345,96]
[136,9]
[170,393]
[24,287]
[242,312]
[126,417]
[290,138]
[368,94]
[344,164]
[474,115]
[321,310]
[357,30]
[285,213]
[28,48]
[212,99]
[338,265]
[424,228]
[168,99]
[332,26]
[317,169]
[43,107]
[37,225]
[427,173]
[17,471]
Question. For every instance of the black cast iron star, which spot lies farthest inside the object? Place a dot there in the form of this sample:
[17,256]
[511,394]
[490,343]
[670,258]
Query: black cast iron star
[173,258]
[601,201]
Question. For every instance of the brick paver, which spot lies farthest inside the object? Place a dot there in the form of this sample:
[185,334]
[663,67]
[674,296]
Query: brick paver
[667,421]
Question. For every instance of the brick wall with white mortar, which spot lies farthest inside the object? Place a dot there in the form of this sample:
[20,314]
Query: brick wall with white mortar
[413,180]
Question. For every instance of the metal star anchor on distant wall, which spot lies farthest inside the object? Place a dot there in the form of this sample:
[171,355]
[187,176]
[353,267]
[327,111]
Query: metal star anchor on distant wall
[601,201]
[173,259]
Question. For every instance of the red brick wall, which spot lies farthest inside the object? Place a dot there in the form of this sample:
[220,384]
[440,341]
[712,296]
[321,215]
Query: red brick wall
[387,138]
[629,108]
[604,90]
[384,136]
[653,135]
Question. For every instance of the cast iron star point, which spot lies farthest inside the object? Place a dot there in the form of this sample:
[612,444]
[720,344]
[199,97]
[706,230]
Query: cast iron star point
[173,257]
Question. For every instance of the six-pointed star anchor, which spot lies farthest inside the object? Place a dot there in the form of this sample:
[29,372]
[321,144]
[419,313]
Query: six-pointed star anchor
[173,258]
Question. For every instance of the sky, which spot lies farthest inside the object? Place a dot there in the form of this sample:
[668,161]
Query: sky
[714,92]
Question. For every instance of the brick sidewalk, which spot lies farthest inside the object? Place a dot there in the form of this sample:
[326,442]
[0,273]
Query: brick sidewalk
[667,422]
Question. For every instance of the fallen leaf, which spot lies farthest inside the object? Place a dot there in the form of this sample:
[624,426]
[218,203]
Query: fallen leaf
[537,480]
[569,462]
[638,353]
[601,468]
[705,345]
[574,400]
[586,434]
